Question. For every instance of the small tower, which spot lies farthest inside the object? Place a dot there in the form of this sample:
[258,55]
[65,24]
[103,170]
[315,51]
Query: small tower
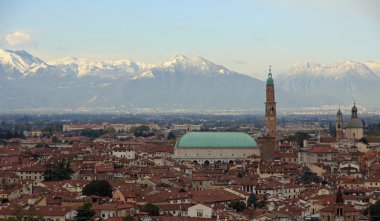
[270,107]
[339,125]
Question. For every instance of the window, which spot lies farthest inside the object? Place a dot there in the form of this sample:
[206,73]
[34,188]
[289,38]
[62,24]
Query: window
[199,213]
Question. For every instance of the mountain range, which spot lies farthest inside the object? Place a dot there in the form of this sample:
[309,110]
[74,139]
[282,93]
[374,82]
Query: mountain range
[180,83]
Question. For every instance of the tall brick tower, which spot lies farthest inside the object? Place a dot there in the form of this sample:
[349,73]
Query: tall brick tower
[267,143]
[270,107]
[339,125]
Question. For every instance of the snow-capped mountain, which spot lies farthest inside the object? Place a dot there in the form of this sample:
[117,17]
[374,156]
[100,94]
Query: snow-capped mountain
[27,82]
[104,69]
[374,66]
[340,82]
[19,63]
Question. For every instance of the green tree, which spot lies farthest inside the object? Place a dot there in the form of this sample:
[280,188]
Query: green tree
[163,185]
[374,211]
[54,139]
[58,171]
[239,206]
[298,137]
[332,129]
[128,218]
[171,136]
[309,177]
[251,199]
[85,213]
[111,130]
[98,188]
[93,134]
[141,131]
[363,140]
[41,145]
[152,209]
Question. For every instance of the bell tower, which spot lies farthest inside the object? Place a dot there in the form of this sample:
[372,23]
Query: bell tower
[270,107]
[339,125]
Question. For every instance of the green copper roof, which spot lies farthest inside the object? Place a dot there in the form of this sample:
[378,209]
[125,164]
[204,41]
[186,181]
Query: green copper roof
[339,113]
[216,140]
[270,81]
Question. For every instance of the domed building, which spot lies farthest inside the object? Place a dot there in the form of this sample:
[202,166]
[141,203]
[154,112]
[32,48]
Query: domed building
[355,126]
[210,147]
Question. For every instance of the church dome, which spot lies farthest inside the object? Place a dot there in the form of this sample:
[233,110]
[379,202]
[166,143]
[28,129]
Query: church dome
[228,140]
[354,123]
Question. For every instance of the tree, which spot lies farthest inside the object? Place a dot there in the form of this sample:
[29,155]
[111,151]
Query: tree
[239,206]
[152,209]
[163,185]
[85,213]
[41,145]
[374,211]
[111,130]
[141,131]
[309,177]
[58,171]
[128,218]
[363,140]
[54,139]
[332,129]
[251,199]
[93,134]
[171,136]
[298,137]
[98,188]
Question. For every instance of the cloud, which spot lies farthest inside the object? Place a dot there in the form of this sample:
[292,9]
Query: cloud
[19,38]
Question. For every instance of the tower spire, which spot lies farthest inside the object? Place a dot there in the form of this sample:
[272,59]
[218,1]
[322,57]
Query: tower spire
[270,71]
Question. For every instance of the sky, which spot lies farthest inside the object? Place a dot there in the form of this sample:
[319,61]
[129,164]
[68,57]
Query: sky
[244,36]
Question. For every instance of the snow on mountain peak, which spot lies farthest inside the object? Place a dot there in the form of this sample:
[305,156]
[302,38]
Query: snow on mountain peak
[197,65]
[20,61]
[67,61]
[332,69]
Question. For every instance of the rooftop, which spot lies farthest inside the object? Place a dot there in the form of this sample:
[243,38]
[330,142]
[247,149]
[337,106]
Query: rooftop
[216,140]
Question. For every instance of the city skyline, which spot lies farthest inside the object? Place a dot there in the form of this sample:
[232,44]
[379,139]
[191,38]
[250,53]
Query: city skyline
[243,36]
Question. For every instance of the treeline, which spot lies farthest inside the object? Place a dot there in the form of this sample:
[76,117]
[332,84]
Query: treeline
[9,134]
[373,129]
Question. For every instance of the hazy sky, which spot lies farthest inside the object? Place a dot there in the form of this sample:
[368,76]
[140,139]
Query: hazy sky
[245,36]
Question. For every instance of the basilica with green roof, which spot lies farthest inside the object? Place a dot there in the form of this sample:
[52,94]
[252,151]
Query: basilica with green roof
[211,147]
